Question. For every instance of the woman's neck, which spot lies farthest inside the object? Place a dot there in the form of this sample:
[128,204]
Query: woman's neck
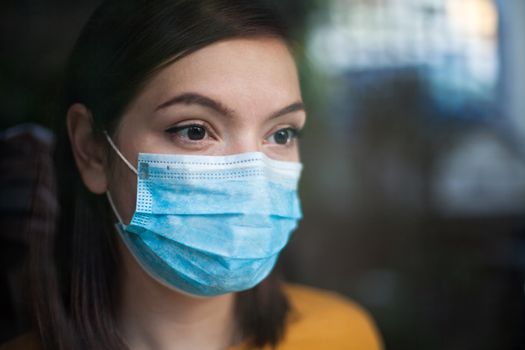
[152,316]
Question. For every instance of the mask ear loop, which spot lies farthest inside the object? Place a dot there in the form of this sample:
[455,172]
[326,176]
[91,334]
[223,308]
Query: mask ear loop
[120,154]
[110,200]
[132,168]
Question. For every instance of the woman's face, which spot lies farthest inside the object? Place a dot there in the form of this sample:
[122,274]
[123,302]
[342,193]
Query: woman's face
[230,97]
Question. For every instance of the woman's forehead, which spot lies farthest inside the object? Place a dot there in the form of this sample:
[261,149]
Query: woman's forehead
[255,69]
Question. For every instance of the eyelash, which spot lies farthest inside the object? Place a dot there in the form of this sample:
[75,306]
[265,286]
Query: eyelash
[295,133]
[177,129]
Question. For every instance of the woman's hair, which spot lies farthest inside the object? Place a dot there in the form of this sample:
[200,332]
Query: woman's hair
[76,266]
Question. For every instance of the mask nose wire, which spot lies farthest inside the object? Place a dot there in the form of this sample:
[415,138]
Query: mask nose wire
[130,166]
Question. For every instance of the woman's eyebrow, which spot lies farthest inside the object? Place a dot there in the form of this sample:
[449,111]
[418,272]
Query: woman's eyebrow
[190,98]
[294,107]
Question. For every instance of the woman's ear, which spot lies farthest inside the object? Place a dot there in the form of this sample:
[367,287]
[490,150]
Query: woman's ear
[88,151]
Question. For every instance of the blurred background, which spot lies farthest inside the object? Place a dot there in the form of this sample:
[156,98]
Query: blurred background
[414,182]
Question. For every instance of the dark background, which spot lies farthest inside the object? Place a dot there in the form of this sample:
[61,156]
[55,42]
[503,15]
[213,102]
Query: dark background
[414,182]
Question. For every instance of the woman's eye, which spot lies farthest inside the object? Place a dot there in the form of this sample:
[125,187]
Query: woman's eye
[192,132]
[283,136]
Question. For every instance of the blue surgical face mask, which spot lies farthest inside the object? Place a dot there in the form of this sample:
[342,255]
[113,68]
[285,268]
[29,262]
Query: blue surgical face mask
[210,225]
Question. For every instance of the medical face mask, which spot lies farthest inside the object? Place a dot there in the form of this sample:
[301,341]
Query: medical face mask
[210,225]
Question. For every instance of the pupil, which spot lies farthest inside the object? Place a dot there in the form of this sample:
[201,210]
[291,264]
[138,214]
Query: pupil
[196,133]
[281,137]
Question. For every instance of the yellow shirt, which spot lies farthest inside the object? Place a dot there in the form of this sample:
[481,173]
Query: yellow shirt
[319,320]
[326,320]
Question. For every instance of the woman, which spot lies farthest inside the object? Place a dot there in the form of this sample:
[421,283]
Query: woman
[178,183]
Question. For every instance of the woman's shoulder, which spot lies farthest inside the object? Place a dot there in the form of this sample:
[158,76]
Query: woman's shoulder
[26,341]
[323,319]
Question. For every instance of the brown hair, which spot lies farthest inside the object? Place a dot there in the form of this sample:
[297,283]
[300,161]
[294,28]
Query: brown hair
[73,268]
